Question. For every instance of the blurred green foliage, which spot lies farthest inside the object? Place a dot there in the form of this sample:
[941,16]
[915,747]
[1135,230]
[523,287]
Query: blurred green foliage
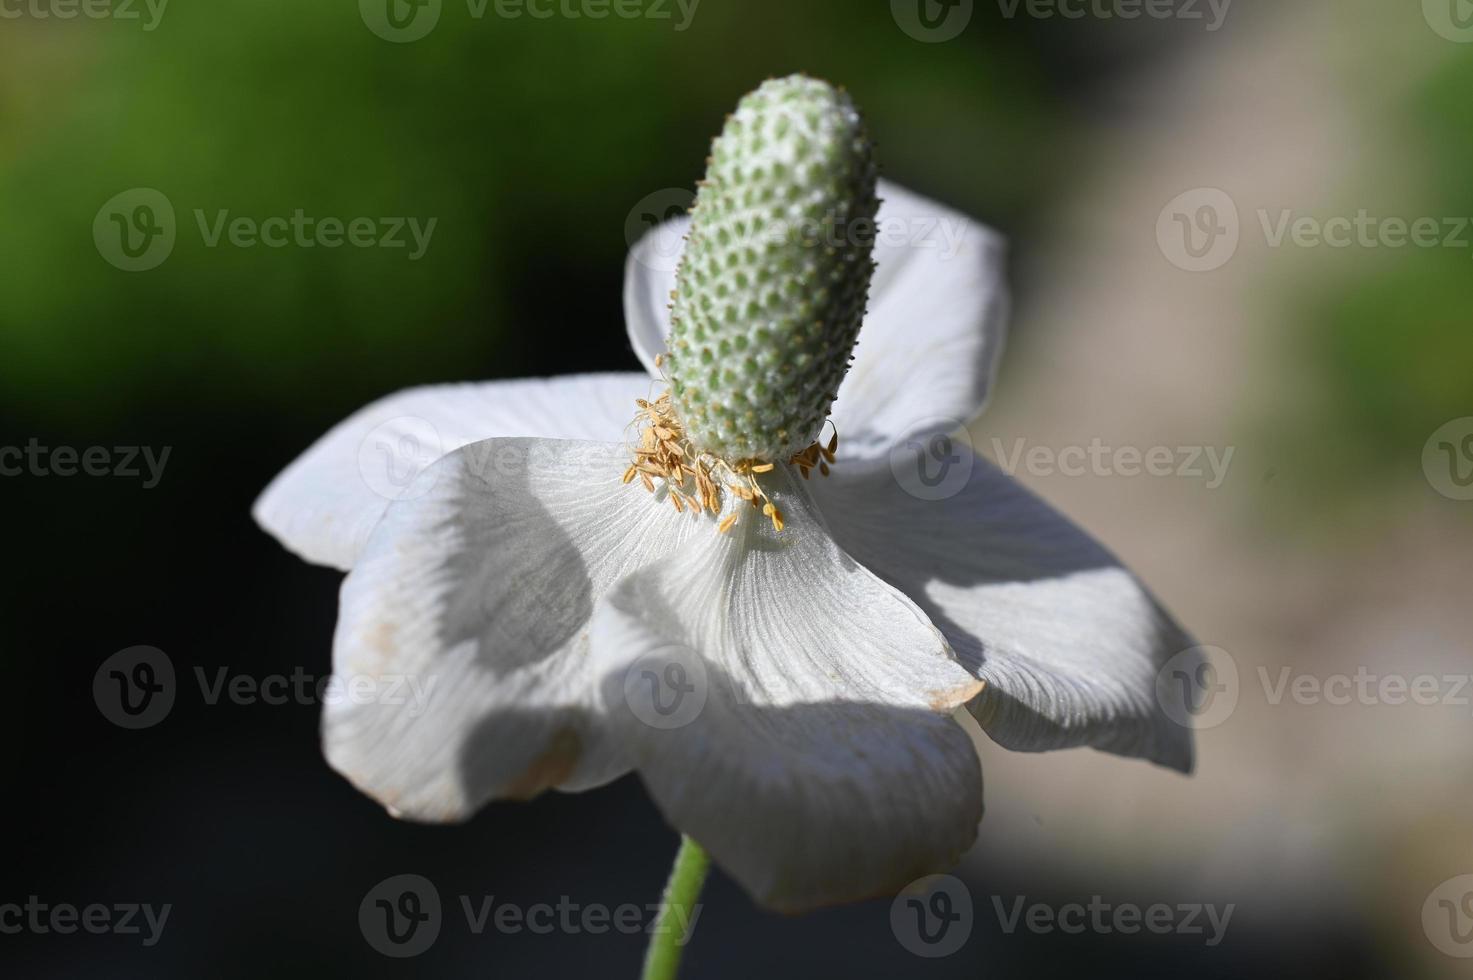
[529,140]
[1387,348]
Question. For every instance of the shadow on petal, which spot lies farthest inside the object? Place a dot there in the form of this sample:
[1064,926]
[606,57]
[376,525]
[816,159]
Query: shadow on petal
[1069,643]
[805,805]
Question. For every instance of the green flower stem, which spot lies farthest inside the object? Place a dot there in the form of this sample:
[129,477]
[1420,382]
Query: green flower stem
[662,959]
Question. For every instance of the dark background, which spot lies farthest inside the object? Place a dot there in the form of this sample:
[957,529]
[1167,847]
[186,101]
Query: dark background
[531,141]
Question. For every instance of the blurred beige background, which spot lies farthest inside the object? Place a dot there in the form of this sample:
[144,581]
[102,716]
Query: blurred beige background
[1355,810]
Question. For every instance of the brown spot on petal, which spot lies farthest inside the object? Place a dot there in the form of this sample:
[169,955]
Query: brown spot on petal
[553,766]
[957,696]
[379,646]
[381,638]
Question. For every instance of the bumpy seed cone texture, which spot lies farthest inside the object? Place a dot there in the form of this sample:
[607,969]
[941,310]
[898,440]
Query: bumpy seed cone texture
[772,287]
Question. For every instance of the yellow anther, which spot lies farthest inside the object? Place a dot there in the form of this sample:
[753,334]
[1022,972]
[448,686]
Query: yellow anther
[694,480]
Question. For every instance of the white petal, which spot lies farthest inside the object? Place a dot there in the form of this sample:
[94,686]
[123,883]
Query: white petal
[807,741]
[649,278]
[1069,642]
[324,505]
[929,348]
[480,593]
[930,344]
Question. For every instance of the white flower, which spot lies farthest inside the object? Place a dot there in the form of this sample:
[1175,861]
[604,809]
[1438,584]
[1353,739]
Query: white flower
[555,614]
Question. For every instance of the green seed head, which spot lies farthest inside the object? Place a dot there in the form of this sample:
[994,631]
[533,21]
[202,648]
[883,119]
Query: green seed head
[772,287]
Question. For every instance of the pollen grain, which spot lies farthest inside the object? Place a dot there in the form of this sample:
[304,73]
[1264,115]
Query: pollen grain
[697,481]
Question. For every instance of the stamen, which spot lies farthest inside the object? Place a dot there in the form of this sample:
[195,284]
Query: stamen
[695,481]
